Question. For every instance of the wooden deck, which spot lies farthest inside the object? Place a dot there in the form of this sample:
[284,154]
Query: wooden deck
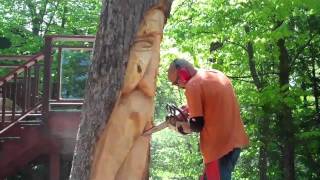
[35,120]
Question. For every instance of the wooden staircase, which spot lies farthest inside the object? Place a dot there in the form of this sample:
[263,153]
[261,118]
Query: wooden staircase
[29,127]
[29,142]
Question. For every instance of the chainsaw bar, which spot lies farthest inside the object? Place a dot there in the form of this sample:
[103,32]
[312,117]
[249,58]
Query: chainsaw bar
[156,128]
[173,111]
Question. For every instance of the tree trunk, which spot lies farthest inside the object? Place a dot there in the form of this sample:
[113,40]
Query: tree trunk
[37,17]
[36,23]
[315,85]
[285,114]
[119,24]
[264,121]
[264,138]
[252,65]
[64,18]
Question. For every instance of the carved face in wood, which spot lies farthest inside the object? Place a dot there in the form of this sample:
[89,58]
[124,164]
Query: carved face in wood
[121,152]
[145,49]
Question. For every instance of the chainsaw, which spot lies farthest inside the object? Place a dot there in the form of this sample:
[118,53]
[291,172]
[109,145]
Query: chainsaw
[175,116]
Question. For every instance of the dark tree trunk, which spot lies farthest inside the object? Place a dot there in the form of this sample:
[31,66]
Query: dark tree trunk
[305,101]
[264,138]
[314,164]
[64,18]
[285,114]
[263,162]
[37,17]
[315,85]
[119,22]
[36,23]
[264,122]
[252,64]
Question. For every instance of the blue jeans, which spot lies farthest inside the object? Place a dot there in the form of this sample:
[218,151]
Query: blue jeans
[227,163]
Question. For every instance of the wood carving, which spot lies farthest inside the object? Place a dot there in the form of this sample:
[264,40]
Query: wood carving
[118,150]
[121,152]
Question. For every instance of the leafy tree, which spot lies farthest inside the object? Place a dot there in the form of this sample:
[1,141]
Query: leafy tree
[24,22]
[256,43]
[270,50]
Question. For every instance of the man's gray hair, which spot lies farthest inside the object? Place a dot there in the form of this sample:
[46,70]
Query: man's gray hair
[182,63]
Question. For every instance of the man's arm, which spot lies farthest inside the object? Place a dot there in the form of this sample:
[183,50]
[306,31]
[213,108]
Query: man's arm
[195,106]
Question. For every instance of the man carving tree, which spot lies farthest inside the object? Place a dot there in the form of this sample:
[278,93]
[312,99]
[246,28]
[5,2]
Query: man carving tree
[214,113]
[120,91]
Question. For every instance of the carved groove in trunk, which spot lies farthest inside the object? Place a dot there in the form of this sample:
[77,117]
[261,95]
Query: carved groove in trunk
[119,22]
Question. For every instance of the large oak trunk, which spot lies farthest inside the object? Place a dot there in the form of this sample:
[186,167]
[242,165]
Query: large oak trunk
[121,82]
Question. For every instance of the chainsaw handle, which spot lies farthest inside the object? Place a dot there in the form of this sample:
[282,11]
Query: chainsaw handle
[172,109]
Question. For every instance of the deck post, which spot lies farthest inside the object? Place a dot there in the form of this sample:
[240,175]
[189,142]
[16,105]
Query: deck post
[47,77]
[54,166]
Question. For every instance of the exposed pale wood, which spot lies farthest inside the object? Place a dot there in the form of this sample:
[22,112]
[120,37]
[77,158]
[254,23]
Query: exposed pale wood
[109,142]
[121,151]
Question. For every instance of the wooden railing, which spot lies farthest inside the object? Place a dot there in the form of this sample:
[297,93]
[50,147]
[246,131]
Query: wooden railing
[21,92]
[26,90]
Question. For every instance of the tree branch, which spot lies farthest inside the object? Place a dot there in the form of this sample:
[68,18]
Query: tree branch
[252,63]
[241,78]
[237,44]
[300,50]
[32,8]
[51,17]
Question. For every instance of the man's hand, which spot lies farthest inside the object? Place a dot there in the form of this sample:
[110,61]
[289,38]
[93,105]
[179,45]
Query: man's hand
[178,125]
[183,127]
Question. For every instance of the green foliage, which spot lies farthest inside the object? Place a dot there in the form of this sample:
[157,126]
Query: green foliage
[192,30]
[75,65]
[24,22]
[195,25]
[309,135]
[175,156]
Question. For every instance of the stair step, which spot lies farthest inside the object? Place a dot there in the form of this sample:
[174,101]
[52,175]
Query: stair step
[31,121]
[18,155]
[31,124]
[5,139]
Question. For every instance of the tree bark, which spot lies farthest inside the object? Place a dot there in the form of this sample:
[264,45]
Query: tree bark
[285,114]
[252,64]
[119,22]
[264,121]
[37,18]
[314,85]
[64,18]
